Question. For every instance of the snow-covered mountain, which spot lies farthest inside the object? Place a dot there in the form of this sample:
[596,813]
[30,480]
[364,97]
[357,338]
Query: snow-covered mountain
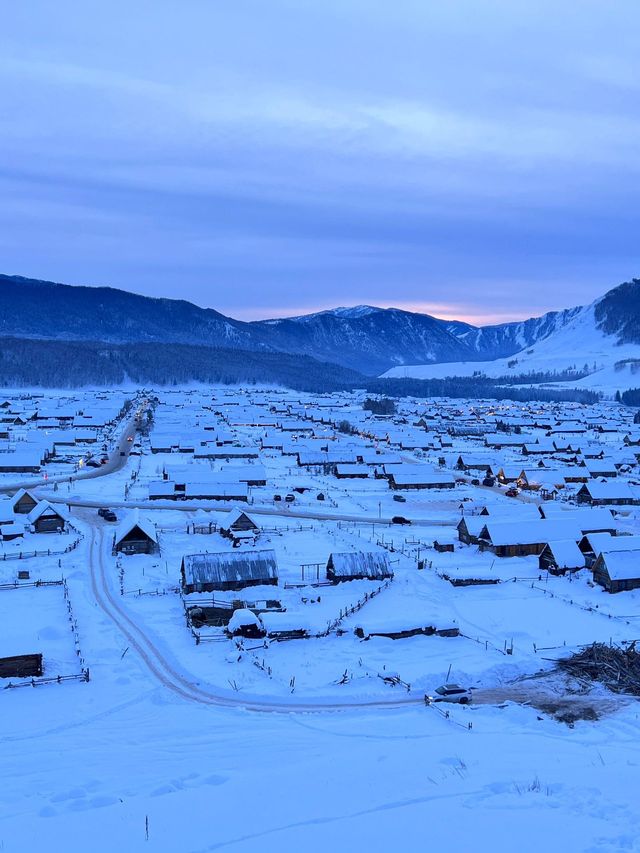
[599,342]
[367,339]
[491,342]
[363,338]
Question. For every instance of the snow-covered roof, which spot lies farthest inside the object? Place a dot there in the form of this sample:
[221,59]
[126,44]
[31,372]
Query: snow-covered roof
[610,490]
[235,515]
[504,533]
[566,554]
[241,618]
[605,543]
[426,479]
[365,564]
[230,567]
[133,520]
[6,510]
[622,565]
[588,518]
[44,508]
[216,489]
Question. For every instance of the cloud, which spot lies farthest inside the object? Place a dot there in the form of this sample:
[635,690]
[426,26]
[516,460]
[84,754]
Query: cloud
[314,153]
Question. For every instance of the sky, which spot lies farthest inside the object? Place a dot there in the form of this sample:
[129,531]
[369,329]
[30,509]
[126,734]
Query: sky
[476,160]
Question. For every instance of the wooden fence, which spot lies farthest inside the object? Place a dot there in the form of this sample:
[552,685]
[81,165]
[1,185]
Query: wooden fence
[83,675]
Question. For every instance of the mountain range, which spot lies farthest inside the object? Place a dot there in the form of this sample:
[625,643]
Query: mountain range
[363,340]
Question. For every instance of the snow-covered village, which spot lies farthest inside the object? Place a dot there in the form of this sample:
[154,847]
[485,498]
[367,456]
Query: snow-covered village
[319,427]
[170,556]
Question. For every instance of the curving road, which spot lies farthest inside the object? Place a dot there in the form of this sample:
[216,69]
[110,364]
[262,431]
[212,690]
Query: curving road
[115,463]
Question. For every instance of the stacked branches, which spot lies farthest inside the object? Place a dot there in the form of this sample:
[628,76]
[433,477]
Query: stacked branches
[616,668]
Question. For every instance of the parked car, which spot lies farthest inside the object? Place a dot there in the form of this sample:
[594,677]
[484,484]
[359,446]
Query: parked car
[475,482]
[110,515]
[320,497]
[512,492]
[400,498]
[92,463]
[277,497]
[400,519]
[289,498]
[453,693]
[489,481]
[102,511]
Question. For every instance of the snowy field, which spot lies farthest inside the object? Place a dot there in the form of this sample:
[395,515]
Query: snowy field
[322,742]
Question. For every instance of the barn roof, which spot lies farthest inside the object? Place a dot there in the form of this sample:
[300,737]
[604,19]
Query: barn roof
[368,564]
[230,567]
[162,488]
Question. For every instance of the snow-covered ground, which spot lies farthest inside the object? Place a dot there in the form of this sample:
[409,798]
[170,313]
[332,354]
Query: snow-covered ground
[304,744]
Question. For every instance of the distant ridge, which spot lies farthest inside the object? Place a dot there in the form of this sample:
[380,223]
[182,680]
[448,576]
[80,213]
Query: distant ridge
[363,338]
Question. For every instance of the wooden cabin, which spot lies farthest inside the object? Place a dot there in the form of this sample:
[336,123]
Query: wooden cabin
[23,502]
[46,519]
[135,535]
[561,556]
[470,527]
[237,525]
[607,493]
[428,480]
[617,571]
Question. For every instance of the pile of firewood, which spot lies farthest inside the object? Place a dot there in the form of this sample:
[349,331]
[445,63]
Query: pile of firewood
[616,667]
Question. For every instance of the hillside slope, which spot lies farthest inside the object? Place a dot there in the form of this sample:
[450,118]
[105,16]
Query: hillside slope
[601,340]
